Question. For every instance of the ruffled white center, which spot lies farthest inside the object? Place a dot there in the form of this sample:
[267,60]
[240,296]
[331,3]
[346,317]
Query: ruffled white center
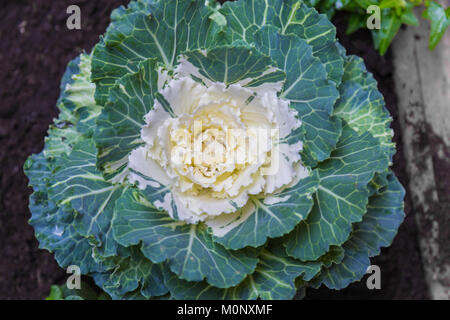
[215,147]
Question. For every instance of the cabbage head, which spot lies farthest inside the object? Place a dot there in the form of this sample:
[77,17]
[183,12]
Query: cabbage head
[217,152]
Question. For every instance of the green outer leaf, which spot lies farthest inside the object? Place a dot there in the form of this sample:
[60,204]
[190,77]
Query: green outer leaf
[334,256]
[43,212]
[362,106]
[275,275]
[135,295]
[273,279]
[308,90]
[43,219]
[245,17]
[272,220]
[132,273]
[76,93]
[378,182]
[377,229]
[232,64]
[58,229]
[37,168]
[118,130]
[55,233]
[189,249]
[384,215]
[79,185]
[74,249]
[81,94]
[323,133]
[52,225]
[185,290]
[303,71]
[352,268]
[60,140]
[150,29]
[440,21]
[67,78]
[341,198]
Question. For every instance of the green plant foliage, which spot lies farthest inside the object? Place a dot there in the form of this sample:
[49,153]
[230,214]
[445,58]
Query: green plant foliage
[86,292]
[102,200]
[394,13]
[440,21]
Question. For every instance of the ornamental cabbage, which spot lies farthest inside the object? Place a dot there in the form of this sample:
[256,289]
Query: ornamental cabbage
[217,152]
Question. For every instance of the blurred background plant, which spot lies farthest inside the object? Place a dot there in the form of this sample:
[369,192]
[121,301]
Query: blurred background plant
[394,13]
[86,292]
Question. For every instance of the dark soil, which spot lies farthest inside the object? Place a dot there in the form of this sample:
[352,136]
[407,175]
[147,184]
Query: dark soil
[34,50]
